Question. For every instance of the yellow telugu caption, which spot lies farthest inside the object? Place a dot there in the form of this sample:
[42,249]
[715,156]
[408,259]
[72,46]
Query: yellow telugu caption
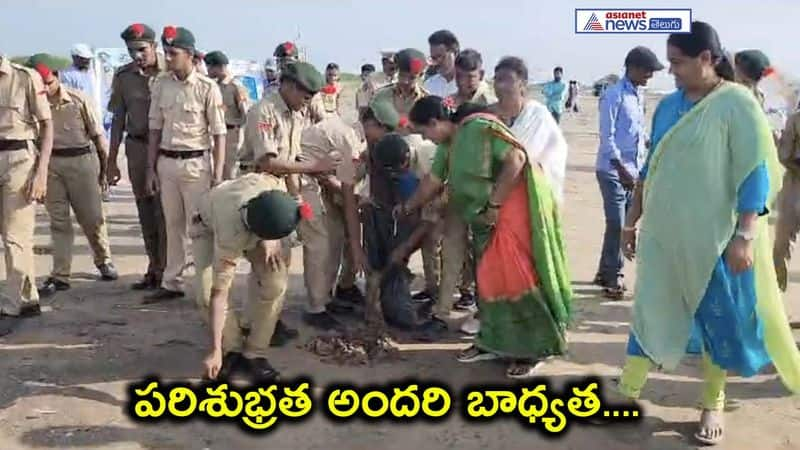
[260,408]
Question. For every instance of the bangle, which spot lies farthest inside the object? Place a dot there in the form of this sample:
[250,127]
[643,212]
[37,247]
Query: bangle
[627,228]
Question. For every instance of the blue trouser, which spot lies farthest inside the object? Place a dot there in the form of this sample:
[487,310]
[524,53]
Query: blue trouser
[616,201]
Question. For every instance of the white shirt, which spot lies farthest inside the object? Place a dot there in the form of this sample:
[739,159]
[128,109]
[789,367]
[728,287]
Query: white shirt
[439,86]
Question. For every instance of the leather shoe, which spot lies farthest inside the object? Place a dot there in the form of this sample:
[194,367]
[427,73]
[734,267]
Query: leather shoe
[51,286]
[162,295]
[261,371]
[232,363]
[108,272]
[148,283]
[282,335]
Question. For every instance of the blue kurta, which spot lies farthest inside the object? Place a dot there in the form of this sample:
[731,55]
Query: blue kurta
[726,324]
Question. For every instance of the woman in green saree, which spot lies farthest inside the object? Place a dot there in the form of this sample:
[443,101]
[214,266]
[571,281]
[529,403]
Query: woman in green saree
[523,287]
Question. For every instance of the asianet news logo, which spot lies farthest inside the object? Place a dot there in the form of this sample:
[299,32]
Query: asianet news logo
[604,21]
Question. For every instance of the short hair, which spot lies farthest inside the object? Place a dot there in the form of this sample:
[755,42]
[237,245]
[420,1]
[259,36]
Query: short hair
[332,66]
[469,60]
[367,68]
[558,69]
[514,64]
[446,38]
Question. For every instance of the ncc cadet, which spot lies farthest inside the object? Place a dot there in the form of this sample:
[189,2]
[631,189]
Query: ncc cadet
[23,180]
[234,100]
[331,93]
[324,237]
[246,217]
[75,178]
[273,134]
[185,113]
[403,94]
[129,104]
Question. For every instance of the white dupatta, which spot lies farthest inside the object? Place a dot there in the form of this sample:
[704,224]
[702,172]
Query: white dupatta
[544,143]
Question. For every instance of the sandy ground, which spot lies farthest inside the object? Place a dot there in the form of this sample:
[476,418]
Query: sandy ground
[65,373]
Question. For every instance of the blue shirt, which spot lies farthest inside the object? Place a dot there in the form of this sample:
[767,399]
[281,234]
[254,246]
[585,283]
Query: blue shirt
[622,128]
[81,80]
[555,93]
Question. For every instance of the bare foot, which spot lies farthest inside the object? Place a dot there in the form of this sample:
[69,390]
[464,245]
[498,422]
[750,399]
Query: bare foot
[712,427]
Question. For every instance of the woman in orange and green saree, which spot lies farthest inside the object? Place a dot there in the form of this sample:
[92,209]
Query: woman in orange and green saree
[523,286]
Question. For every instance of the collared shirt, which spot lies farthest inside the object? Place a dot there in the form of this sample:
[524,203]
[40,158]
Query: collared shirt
[220,210]
[402,102]
[330,102]
[234,100]
[23,101]
[273,129]
[333,136]
[555,93]
[74,119]
[188,112]
[364,95]
[130,97]
[482,96]
[622,128]
[439,86]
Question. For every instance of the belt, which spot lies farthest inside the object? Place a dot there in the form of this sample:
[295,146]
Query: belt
[232,127]
[142,138]
[72,151]
[12,144]
[188,154]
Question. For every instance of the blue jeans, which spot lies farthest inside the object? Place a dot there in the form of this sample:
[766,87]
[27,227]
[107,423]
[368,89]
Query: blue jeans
[616,201]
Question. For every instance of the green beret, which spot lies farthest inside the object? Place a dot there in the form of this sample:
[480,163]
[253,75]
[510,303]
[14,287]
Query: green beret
[274,215]
[385,113]
[42,61]
[752,63]
[391,151]
[138,32]
[286,50]
[306,75]
[410,60]
[216,58]
[178,37]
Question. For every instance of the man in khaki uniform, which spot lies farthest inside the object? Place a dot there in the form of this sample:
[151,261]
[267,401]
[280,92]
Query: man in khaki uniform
[130,104]
[324,237]
[789,200]
[234,99]
[75,179]
[457,261]
[403,94]
[23,180]
[243,217]
[185,113]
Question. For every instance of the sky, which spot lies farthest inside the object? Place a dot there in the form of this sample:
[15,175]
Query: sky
[351,32]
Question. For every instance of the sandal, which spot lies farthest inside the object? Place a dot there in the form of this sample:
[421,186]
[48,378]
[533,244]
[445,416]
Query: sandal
[523,370]
[474,354]
[712,427]
[614,293]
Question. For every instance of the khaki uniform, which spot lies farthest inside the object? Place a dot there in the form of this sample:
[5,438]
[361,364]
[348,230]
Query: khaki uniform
[72,181]
[324,237]
[457,261]
[234,99]
[330,101]
[402,103]
[788,223]
[23,104]
[130,103]
[188,113]
[219,240]
[376,82]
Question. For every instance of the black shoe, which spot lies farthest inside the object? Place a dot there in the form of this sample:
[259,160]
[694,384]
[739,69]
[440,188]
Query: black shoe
[148,283]
[108,272]
[282,335]
[261,371]
[51,286]
[322,321]
[433,330]
[232,363]
[422,297]
[30,310]
[162,295]
[466,303]
[349,295]
[338,306]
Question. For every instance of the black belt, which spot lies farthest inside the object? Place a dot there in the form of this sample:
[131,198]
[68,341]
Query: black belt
[72,151]
[189,154]
[143,138]
[232,127]
[12,144]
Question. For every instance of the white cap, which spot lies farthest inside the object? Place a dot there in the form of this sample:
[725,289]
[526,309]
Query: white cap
[82,51]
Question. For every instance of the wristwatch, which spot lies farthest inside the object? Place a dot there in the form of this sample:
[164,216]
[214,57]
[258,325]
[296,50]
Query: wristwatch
[746,235]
